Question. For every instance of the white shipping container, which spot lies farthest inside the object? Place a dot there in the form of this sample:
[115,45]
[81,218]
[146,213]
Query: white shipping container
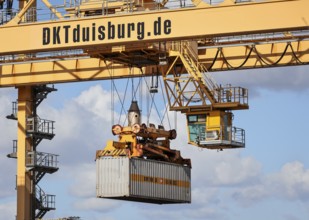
[143,180]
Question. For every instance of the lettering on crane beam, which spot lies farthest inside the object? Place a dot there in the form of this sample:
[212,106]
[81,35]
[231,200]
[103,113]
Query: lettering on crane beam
[104,32]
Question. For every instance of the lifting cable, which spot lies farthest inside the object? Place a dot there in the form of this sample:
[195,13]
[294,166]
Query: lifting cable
[152,102]
[134,91]
[123,109]
[123,101]
[112,102]
[166,108]
[111,74]
[169,98]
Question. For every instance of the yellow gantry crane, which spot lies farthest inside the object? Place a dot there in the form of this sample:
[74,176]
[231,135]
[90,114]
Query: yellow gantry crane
[102,40]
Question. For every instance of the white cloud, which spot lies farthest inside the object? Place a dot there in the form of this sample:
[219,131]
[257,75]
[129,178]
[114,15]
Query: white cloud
[83,189]
[205,205]
[7,165]
[97,101]
[7,177]
[181,212]
[227,168]
[84,180]
[236,170]
[292,182]
[205,196]
[293,78]
[96,204]
[81,127]
[251,194]
[7,210]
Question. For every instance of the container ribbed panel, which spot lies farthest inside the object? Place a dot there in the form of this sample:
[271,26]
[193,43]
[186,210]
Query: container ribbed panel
[143,180]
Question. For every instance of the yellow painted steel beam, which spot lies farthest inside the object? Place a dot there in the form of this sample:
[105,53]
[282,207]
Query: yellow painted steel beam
[52,9]
[60,71]
[24,6]
[154,26]
[84,69]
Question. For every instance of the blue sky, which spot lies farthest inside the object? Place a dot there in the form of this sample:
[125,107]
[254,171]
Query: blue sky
[269,179]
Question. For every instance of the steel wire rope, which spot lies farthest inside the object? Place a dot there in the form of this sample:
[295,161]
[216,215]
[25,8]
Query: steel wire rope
[166,108]
[152,101]
[175,113]
[141,97]
[124,97]
[175,120]
[155,106]
[122,109]
[132,90]
[147,104]
[112,102]
[136,89]
[112,79]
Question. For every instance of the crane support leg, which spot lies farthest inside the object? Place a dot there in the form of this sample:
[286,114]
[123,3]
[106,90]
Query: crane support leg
[24,178]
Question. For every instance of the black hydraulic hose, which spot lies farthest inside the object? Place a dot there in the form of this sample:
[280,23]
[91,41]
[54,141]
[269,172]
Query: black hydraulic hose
[275,63]
[241,65]
[295,56]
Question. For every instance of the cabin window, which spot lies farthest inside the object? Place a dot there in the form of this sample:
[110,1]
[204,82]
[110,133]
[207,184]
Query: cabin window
[196,127]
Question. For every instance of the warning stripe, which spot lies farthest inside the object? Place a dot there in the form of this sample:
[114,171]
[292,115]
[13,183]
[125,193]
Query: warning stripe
[160,180]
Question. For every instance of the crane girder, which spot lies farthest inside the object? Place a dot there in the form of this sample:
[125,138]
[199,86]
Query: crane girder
[214,58]
[59,71]
[156,25]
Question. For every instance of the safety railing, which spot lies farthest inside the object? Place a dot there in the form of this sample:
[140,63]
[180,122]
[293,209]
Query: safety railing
[46,201]
[14,153]
[215,2]
[67,218]
[38,125]
[102,7]
[6,15]
[232,94]
[129,6]
[40,159]
[14,146]
[224,133]
[13,115]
